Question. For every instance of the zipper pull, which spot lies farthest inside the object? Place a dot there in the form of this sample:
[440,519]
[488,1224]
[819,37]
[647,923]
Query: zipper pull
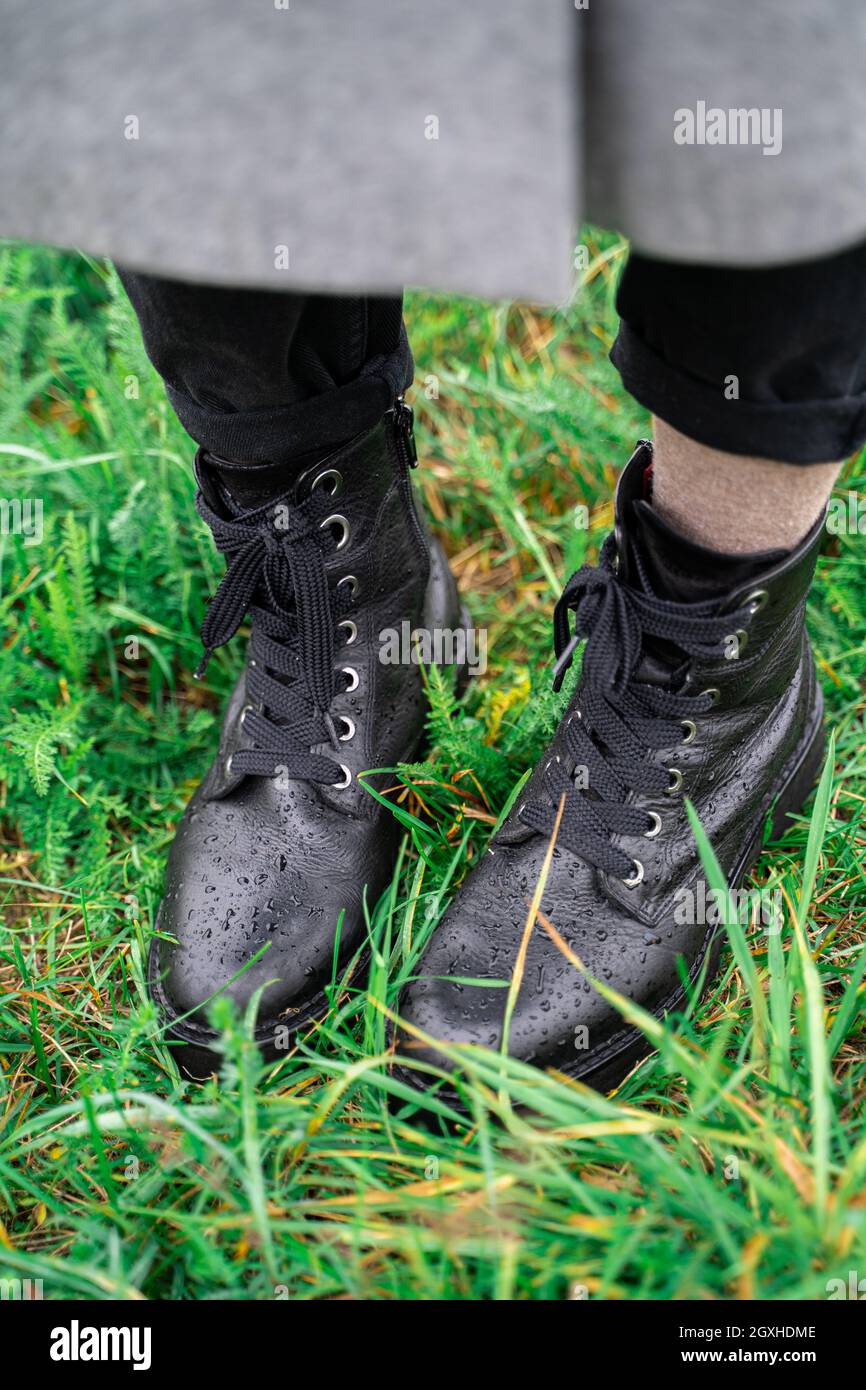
[404,419]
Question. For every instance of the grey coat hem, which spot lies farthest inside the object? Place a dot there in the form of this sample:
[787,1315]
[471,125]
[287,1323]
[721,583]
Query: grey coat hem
[344,147]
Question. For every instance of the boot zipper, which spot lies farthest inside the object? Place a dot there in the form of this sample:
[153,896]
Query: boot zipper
[404,428]
[407,452]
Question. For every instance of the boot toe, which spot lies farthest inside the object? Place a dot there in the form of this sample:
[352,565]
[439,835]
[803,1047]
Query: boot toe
[560,1019]
[248,912]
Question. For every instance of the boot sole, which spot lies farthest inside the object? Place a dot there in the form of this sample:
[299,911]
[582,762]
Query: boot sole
[192,1044]
[622,1052]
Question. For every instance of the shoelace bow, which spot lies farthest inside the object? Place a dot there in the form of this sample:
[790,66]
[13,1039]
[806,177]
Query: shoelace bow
[276,573]
[620,719]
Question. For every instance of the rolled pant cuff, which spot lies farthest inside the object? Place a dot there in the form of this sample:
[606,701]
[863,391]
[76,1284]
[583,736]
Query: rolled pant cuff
[277,435]
[817,431]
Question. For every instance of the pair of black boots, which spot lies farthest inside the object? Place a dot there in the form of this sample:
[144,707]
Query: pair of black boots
[697,681]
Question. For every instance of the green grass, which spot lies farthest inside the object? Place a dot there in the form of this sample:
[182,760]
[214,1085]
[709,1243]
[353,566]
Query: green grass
[731,1163]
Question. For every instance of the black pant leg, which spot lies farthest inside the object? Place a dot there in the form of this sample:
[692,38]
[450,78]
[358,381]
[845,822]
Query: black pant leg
[766,362]
[255,374]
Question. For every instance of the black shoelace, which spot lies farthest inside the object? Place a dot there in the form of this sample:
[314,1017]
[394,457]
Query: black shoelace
[276,573]
[620,719]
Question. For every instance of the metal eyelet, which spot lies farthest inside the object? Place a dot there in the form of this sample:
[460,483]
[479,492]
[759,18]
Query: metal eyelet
[676,781]
[741,637]
[756,601]
[346,778]
[247,709]
[350,727]
[655,827]
[328,473]
[353,580]
[714,694]
[354,678]
[229,760]
[352,629]
[636,877]
[345,530]
[690,728]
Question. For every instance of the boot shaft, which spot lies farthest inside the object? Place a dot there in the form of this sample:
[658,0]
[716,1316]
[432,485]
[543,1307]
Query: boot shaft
[384,572]
[760,657]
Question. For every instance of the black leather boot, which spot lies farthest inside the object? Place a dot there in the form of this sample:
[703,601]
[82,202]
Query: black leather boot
[697,681]
[281,838]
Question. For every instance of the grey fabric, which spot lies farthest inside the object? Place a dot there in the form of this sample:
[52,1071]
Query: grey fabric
[262,127]
[732,204]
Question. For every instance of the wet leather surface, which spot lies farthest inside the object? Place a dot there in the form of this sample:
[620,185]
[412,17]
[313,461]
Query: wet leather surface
[262,863]
[627,937]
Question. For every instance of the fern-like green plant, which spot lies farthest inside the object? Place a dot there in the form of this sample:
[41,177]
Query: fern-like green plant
[37,738]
